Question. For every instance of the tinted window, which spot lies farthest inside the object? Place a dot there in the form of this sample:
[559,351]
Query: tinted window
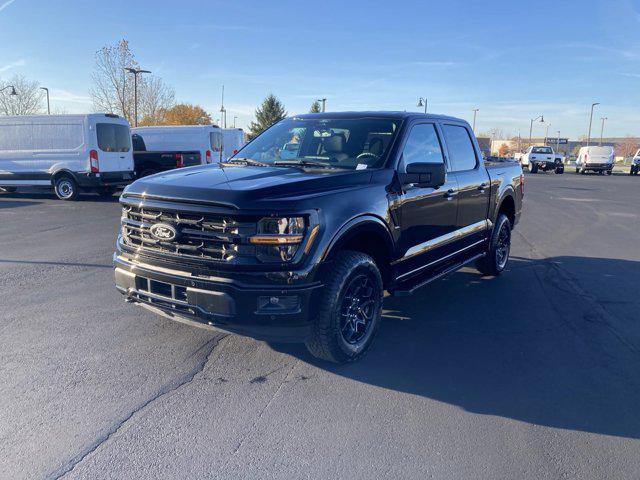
[541,150]
[422,145]
[461,153]
[113,137]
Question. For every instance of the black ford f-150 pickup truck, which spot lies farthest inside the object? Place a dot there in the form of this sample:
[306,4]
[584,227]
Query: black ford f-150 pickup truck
[297,237]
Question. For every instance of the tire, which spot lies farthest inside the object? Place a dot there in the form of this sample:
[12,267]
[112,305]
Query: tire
[497,256]
[353,281]
[577,170]
[8,189]
[631,171]
[65,188]
[609,172]
[533,167]
[559,171]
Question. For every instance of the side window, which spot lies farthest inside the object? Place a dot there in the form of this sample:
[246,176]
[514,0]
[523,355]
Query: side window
[461,152]
[422,145]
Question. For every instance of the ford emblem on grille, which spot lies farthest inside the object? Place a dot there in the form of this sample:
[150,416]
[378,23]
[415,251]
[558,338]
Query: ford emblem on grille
[162,231]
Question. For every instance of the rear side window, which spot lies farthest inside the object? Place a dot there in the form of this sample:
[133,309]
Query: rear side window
[113,137]
[461,152]
[216,141]
[422,145]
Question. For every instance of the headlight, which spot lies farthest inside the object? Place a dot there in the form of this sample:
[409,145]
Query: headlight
[278,238]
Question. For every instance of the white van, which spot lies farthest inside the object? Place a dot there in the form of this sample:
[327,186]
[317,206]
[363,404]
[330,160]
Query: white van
[232,141]
[207,139]
[596,159]
[71,152]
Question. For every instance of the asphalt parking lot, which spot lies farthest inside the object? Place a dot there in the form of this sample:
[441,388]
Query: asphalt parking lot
[535,374]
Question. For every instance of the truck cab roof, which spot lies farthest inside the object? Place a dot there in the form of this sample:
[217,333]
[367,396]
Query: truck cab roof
[380,114]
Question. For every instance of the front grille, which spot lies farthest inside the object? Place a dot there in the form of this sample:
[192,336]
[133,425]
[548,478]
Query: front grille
[209,237]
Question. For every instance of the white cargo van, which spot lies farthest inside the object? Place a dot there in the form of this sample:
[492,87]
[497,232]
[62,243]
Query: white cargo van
[207,139]
[232,141]
[595,159]
[71,152]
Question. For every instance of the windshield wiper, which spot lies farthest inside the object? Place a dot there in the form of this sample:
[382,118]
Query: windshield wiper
[304,163]
[247,161]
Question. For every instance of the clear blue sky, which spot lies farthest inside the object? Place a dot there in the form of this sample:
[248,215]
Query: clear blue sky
[511,60]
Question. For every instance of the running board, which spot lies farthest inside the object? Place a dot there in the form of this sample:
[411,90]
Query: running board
[453,268]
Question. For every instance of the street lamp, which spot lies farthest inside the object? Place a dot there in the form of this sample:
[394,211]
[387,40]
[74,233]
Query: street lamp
[48,107]
[546,135]
[602,129]
[324,101]
[422,102]
[541,117]
[136,72]
[13,90]
[558,141]
[234,121]
[475,110]
[590,120]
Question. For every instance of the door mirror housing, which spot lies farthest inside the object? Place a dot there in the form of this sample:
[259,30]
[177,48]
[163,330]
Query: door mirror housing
[423,174]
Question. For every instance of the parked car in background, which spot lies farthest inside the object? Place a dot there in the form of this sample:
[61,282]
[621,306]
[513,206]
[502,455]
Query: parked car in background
[149,162]
[72,153]
[205,139]
[541,158]
[302,248]
[635,164]
[595,159]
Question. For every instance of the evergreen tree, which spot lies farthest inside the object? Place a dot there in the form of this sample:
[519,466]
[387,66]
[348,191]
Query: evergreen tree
[271,111]
[315,107]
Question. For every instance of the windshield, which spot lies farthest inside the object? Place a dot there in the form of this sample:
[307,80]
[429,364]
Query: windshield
[541,150]
[341,143]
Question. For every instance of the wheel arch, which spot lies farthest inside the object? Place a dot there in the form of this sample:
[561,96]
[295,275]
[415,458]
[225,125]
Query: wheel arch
[367,234]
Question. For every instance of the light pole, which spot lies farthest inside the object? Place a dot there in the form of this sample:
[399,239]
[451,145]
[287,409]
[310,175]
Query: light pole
[546,135]
[541,117]
[422,102]
[602,129]
[48,107]
[590,121]
[234,121]
[558,141]
[135,72]
[475,110]
[324,102]
[223,111]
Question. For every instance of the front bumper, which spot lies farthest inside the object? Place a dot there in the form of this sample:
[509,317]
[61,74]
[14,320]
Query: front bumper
[266,312]
[105,179]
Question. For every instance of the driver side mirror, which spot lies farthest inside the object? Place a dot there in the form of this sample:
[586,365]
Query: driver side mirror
[423,175]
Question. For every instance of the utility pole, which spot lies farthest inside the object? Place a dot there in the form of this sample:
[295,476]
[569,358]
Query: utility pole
[558,141]
[48,106]
[135,73]
[422,102]
[475,110]
[541,117]
[223,111]
[234,121]
[602,129]
[590,121]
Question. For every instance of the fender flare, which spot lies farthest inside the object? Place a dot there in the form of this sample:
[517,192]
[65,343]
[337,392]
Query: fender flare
[508,192]
[354,226]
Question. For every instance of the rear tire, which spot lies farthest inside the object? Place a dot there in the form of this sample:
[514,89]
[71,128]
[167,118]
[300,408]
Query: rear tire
[609,172]
[559,171]
[350,307]
[8,189]
[533,167]
[65,188]
[497,256]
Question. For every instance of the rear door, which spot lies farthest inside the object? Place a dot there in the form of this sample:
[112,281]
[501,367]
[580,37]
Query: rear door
[114,146]
[427,215]
[473,184]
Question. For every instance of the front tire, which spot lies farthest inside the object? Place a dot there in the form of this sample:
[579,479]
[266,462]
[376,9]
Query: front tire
[533,167]
[609,172]
[65,188]
[350,307]
[497,255]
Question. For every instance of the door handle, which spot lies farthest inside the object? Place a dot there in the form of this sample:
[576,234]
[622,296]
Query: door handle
[450,194]
[482,187]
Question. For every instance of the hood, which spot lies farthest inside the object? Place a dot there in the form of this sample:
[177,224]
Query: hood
[239,185]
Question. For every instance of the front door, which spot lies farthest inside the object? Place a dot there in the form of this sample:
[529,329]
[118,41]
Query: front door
[427,215]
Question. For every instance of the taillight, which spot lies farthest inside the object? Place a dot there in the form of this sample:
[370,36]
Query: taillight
[93,161]
[521,185]
[208,156]
[235,151]
[179,160]
[586,156]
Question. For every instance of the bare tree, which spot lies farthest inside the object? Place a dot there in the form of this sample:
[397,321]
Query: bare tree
[627,147]
[112,89]
[28,100]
